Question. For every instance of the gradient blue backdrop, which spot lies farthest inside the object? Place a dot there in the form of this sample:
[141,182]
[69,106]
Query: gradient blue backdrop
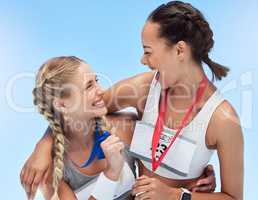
[107,35]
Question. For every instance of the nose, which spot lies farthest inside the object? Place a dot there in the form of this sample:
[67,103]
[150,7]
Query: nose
[144,60]
[100,90]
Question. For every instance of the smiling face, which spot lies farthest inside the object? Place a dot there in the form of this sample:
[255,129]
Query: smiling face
[160,56]
[85,100]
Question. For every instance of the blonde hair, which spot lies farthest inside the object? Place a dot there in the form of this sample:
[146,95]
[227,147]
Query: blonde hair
[50,81]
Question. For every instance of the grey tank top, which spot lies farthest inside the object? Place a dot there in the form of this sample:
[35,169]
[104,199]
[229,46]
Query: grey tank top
[76,179]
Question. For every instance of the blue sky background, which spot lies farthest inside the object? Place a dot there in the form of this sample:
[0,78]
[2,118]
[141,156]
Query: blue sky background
[107,35]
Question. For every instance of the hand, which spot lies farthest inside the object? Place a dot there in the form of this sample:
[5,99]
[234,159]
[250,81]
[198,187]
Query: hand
[208,183]
[152,188]
[35,170]
[112,148]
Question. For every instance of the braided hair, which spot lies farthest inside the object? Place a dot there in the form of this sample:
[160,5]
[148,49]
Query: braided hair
[50,80]
[180,21]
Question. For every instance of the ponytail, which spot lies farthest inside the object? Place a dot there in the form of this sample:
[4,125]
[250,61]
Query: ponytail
[218,71]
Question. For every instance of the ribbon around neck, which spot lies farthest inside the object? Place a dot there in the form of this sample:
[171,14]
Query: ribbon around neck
[97,150]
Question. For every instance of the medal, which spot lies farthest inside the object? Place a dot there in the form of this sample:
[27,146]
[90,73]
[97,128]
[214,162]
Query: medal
[160,122]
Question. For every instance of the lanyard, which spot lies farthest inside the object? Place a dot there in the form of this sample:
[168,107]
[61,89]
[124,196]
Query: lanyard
[160,122]
[96,150]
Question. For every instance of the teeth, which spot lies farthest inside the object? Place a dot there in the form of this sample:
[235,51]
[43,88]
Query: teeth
[99,103]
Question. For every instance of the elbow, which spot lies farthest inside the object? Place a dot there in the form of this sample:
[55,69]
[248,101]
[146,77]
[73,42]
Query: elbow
[233,197]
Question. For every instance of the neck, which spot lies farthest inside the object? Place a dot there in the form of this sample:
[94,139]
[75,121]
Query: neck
[189,82]
[80,133]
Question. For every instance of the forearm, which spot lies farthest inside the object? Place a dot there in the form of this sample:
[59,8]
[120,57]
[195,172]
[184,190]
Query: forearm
[64,191]
[45,142]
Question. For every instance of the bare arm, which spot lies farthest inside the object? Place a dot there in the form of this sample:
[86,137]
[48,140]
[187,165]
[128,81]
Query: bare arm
[229,143]
[64,192]
[37,165]
[131,92]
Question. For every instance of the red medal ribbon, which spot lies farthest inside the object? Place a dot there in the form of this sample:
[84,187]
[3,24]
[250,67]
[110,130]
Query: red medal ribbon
[160,122]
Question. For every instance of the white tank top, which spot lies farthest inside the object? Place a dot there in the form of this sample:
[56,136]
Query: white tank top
[189,155]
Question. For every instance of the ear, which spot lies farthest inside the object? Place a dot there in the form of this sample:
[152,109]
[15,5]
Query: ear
[59,105]
[181,49]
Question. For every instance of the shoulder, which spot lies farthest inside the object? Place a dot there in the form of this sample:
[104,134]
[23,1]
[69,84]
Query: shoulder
[139,80]
[143,78]
[123,124]
[134,87]
[132,91]
[224,126]
[226,112]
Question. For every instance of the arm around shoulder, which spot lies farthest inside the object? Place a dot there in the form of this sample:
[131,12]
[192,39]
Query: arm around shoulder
[131,92]
[225,131]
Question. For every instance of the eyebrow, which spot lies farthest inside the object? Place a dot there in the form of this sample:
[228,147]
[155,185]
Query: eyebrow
[145,46]
[90,81]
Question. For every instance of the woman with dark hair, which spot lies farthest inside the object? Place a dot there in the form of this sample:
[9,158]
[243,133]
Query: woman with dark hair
[184,118]
[67,94]
[191,118]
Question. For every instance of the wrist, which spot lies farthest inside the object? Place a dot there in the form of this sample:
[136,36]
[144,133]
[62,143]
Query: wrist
[110,174]
[43,146]
[47,141]
[104,188]
[185,194]
[175,193]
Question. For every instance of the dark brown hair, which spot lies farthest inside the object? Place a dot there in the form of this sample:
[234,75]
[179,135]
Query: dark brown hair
[180,21]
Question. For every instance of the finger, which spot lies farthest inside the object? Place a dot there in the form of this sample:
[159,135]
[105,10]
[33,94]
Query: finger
[143,196]
[113,131]
[116,147]
[213,187]
[22,176]
[142,182]
[35,184]
[111,139]
[206,188]
[205,181]
[47,175]
[142,177]
[31,176]
[140,189]
[209,186]
[209,170]
[26,179]
[29,181]
[113,142]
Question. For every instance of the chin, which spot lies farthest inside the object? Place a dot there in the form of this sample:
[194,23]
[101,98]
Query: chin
[100,112]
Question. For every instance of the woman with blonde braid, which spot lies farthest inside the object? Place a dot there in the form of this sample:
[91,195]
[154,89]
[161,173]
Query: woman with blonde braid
[68,95]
